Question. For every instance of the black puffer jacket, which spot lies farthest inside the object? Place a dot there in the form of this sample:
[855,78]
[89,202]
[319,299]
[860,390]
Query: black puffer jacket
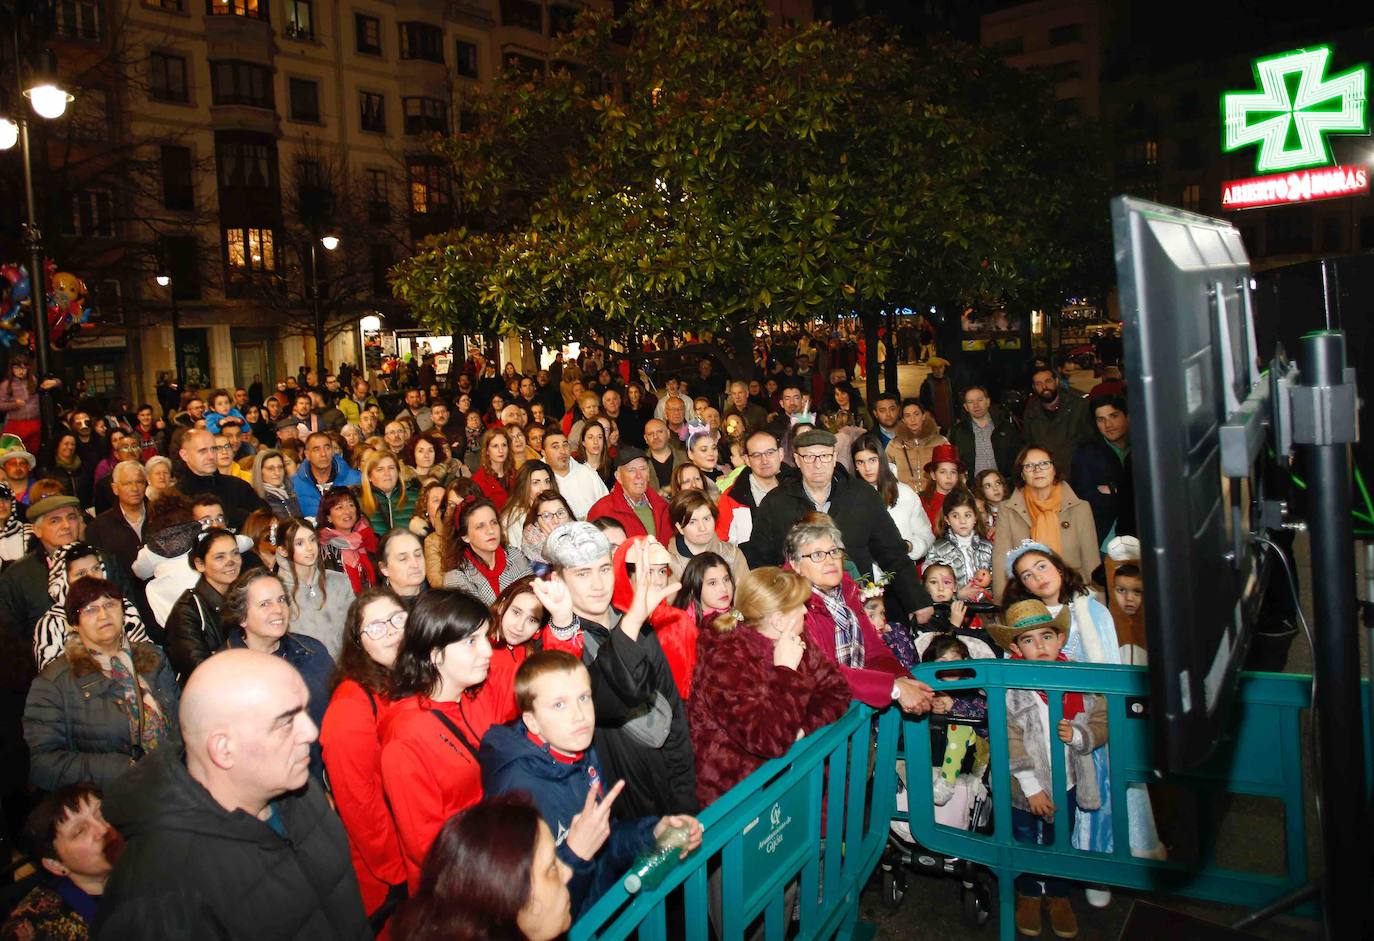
[192,869]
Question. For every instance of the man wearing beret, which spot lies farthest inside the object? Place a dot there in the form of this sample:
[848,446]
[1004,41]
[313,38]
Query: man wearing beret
[870,535]
[635,505]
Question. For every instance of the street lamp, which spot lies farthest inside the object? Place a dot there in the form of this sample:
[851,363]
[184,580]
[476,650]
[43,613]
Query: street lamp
[330,242]
[48,100]
[164,279]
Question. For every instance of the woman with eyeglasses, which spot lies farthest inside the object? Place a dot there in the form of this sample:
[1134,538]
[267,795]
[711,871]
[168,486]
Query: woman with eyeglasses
[1045,509]
[350,738]
[549,512]
[838,628]
[105,703]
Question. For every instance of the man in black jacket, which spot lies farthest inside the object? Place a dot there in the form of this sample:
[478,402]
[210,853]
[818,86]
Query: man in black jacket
[232,838]
[1099,473]
[869,533]
[986,438]
[200,476]
[641,725]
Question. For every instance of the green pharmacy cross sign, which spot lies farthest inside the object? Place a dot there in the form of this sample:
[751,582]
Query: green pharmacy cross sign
[1295,109]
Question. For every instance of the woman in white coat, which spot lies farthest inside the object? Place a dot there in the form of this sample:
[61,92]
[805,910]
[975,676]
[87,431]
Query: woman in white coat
[903,504]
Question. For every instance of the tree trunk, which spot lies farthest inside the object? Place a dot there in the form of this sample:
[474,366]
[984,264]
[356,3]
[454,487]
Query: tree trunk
[890,370]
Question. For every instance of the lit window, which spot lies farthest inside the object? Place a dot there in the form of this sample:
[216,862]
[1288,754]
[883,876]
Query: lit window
[250,249]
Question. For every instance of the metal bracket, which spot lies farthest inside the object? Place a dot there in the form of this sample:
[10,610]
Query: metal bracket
[1324,414]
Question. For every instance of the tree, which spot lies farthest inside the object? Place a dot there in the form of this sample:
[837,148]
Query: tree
[742,174]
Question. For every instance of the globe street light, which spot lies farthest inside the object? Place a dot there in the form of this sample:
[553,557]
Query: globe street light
[330,242]
[48,100]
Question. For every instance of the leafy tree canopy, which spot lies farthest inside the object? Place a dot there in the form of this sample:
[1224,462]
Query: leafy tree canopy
[716,172]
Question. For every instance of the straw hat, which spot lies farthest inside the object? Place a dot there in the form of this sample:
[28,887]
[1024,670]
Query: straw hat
[1025,616]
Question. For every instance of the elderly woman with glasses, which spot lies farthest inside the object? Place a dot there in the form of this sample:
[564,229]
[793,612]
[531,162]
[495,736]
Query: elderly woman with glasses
[837,626]
[102,705]
[1044,508]
[351,741]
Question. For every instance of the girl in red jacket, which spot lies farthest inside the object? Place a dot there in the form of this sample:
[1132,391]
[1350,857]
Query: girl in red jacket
[517,621]
[443,707]
[757,687]
[353,748]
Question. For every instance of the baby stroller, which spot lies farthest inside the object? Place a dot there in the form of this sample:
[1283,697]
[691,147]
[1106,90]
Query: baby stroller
[969,808]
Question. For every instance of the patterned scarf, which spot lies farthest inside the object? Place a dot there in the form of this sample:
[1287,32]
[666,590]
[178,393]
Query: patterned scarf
[147,723]
[348,545]
[849,640]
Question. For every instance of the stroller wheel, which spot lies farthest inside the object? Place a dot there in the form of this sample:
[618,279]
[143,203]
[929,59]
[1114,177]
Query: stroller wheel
[894,890]
[977,902]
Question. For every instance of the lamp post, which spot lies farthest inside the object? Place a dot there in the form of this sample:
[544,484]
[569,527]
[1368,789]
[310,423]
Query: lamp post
[330,242]
[165,280]
[48,100]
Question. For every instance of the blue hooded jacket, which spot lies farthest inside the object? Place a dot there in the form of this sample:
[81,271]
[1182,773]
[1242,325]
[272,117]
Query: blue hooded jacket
[511,761]
[308,492]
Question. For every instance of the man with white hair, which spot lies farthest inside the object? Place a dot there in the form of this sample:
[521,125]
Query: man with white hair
[232,838]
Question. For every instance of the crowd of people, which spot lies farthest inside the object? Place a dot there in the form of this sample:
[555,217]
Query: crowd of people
[307,662]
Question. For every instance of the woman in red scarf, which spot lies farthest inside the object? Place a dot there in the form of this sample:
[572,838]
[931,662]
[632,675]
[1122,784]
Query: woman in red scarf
[346,538]
[496,475]
[476,561]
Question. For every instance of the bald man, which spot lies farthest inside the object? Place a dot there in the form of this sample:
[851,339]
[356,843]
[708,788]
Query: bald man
[234,838]
[200,475]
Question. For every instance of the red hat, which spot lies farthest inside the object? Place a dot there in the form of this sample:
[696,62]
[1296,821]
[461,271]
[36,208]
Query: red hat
[945,454]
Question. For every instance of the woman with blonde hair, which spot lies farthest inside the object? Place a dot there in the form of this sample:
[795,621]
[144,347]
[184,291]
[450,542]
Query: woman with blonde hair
[384,496]
[757,687]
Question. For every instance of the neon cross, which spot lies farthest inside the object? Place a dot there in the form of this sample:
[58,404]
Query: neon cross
[1296,108]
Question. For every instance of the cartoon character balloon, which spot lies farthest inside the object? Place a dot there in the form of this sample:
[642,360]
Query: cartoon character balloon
[67,309]
[14,293]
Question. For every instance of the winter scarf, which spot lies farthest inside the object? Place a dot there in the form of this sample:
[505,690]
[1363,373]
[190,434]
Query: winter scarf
[1044,516]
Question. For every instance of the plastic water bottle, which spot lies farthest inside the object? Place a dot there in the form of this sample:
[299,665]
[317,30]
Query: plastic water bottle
[652,866]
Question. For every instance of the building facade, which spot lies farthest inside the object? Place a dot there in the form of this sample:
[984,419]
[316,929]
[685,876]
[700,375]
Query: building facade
[211,145]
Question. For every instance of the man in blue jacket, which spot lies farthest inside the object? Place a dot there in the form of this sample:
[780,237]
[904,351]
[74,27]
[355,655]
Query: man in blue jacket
[321,471]
[548,754]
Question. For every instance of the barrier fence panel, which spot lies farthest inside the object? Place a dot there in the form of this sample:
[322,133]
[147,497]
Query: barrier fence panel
[796,839]
[1256,774]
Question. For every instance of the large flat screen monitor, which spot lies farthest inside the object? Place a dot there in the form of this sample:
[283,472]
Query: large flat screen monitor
[1191,364]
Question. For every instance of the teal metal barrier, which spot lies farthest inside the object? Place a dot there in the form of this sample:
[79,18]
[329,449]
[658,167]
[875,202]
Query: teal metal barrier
[1262,758]
[787,822]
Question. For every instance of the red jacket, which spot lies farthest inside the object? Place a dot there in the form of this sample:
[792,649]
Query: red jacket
[497,491]
[873,683]
[428,775]
[617,506]
[745,710]
[353,758]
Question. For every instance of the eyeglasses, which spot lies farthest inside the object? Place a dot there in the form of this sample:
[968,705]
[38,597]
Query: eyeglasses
[817,458]
[379,629]
[223,447]
[554,515]
[760,455]
[820,555]
[100,607]
[1037,465]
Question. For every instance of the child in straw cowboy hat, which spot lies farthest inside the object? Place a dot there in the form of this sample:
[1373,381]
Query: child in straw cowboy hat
[1030,632]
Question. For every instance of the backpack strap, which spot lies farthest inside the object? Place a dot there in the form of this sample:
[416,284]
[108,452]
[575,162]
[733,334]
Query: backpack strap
[452,727]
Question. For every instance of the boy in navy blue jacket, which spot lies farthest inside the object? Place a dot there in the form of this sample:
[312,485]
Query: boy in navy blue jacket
[547,753]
